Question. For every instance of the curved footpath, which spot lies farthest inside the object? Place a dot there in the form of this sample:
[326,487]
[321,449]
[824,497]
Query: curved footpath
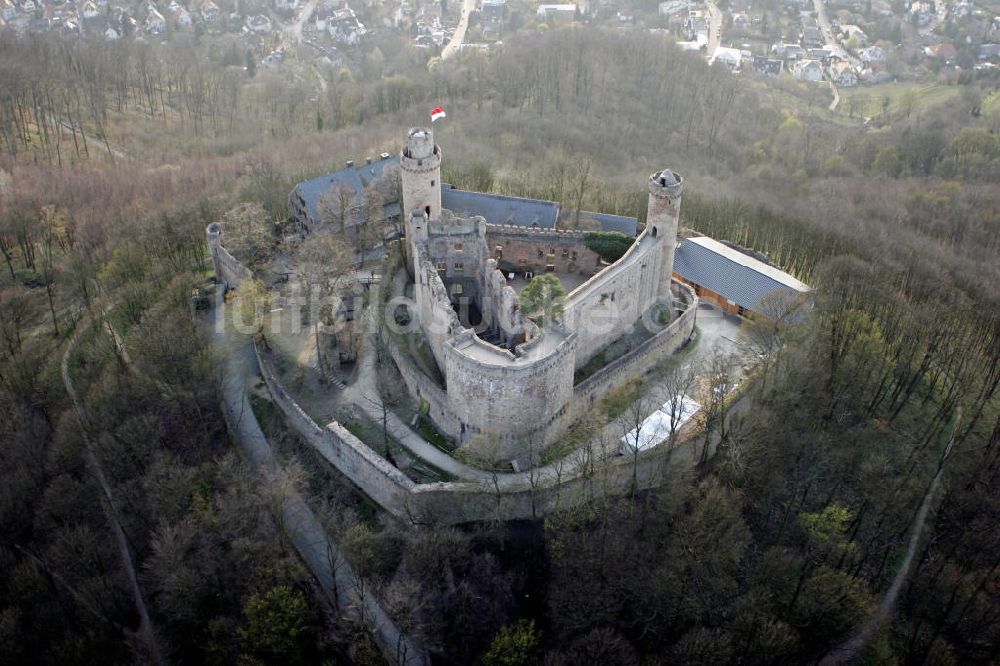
[852,649]
[338,580]
[364,394]
[145,632]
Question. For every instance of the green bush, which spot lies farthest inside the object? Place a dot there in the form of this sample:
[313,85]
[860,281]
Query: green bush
[611,245]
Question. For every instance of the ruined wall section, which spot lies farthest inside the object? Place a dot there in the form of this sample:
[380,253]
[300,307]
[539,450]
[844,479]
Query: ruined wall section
[457,249]
[435,315]
[523,249]
[502,308]
[227,269]
[610,304]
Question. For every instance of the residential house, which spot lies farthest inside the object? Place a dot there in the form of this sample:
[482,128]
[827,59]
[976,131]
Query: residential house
[732,58]
[851,31]
[812,37]
[258,23]
[921,13]
[989,53]
[210,12]
[671,7]
[944,51]
[111,35]
[155,22]
[768,66]
[843,74]
[789,51]
[808,70]
[696,28]
[28,6]
[344,27]
[873,55]
[89,10]
[286,5]
[559,14]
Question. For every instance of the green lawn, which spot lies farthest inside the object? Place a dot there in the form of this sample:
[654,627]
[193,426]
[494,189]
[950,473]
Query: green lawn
[431,435]
[991,103]
[902,98]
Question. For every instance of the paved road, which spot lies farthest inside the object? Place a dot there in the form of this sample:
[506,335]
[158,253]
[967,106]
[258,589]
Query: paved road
[343,587]
[714,28]
[291,33]
[836,97]
[827,30]
[463,24]
[940,16]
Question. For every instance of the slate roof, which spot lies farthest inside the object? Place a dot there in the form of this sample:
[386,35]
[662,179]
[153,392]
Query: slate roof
[619,223]
[495,208]
[357,178]
[500,209]
[730,273]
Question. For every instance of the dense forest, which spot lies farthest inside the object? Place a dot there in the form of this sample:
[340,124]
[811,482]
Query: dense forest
[132,532]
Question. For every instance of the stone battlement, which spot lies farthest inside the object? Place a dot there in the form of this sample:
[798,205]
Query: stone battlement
[534,232]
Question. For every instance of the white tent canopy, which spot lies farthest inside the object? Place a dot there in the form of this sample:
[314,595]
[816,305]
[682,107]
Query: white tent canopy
[656,427]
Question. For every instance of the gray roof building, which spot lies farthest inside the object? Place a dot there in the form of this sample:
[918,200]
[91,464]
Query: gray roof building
[500,209]
[494,208]
[732,274]
[305,198]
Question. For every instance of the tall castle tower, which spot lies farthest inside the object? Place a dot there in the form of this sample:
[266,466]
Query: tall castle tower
[421,166]
[661,221]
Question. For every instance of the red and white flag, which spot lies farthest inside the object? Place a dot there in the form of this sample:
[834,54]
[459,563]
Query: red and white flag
[437,113]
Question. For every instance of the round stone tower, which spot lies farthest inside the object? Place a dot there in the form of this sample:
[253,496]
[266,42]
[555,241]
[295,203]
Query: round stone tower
[214,233]
[420,163]
[661,221]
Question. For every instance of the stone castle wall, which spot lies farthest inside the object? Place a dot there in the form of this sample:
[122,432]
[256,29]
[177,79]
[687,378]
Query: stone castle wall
[510,400]
[520,249]
[464,502]
[227,268]
[584,396]
[611,303]
[640,360]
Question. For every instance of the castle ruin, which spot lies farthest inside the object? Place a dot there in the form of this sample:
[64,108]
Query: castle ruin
[508,382]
